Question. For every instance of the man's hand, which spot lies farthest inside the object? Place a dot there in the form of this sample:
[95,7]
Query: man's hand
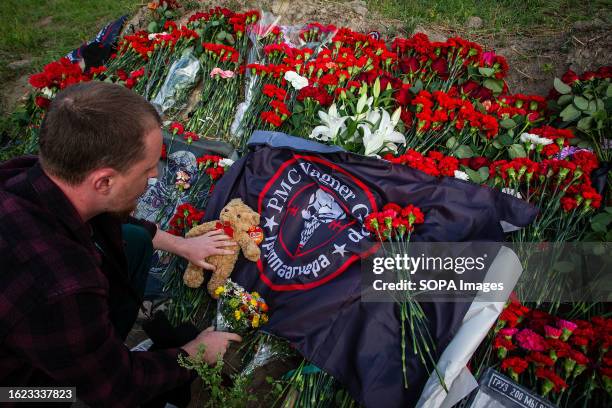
[215,344]
[195,249]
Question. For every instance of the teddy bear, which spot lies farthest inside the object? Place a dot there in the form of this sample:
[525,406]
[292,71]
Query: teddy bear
[241,223]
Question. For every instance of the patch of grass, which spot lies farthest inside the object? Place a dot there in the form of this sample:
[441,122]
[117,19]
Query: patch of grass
[499,16]
[72,22]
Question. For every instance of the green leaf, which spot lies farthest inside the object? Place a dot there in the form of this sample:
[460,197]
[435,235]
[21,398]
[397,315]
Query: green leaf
[451,142]
[506,140]
[599,116]
[488,72]
[417,87]
[581,103]
[608,210]
[472,71]
[497,144]
[585,123]
[602,218]
[609,91]
[495,85]
[507,123]
[152,27]
[484,173]
[570,113]
[564,99]
[561,87]
[592,107]
[491,150]
[463,152]
[516,150]
[600,105]
[474,176]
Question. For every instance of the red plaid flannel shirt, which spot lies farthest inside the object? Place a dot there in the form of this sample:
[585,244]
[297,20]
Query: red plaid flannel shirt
[54,314]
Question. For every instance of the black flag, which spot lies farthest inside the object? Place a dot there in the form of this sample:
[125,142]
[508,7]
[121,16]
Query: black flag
[313,200]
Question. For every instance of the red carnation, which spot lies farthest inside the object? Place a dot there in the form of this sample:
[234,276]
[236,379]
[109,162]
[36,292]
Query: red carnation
[515,366]
[176,128]
[540,359]
[39,80]
[272,118]
[551,381]
[478,162]
[570,77]
[190,137]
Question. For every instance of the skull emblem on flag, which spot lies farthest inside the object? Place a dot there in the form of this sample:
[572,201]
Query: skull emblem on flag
[322,209]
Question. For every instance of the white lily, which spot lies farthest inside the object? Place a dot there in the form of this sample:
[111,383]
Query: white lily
[384,136]
[361,104]
[332,125]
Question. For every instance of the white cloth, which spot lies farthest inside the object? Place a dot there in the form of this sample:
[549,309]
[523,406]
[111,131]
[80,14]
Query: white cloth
[477,322]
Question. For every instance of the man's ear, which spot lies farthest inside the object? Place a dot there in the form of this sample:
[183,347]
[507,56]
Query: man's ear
[102,180]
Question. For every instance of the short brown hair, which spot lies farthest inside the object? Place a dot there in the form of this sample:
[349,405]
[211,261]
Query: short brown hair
[92,125]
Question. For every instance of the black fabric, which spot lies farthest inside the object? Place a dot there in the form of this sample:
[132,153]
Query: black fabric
[322,315]
[599,178]
[96,52]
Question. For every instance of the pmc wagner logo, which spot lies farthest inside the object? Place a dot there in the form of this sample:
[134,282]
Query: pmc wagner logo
[312,212]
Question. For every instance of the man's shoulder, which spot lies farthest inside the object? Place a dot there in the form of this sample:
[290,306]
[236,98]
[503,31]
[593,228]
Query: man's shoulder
[35,246]
[26,229]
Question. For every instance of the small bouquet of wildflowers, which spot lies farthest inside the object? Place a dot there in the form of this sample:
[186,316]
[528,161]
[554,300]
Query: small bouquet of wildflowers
[239,311]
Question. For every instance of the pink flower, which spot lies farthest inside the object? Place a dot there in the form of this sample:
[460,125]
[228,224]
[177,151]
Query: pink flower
[488,57]
[530,340]
[227,74]
[566,324]
[223,74]
[567,327]
[508,332]
[215,71]
[552,332]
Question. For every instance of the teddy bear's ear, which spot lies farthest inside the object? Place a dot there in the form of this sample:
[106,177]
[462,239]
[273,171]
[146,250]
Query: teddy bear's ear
[255,219]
